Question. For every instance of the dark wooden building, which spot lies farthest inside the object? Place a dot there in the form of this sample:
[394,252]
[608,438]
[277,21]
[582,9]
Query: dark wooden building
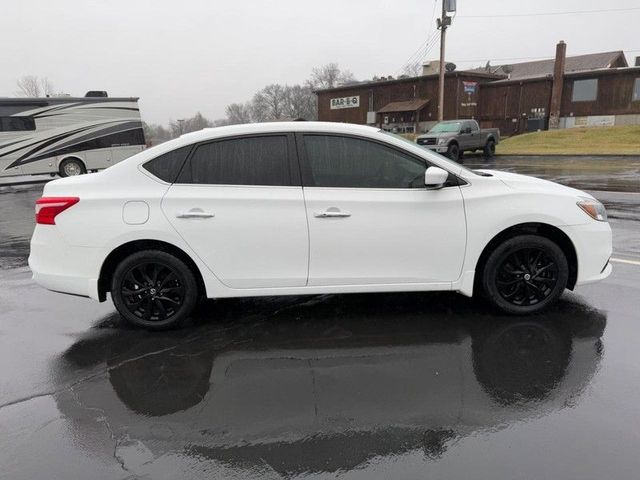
[593,89]
[404,104]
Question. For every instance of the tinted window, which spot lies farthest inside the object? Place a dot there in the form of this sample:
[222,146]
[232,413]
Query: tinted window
[585,90]
[17,124]
[351,162]
[636,90]
[242,161]
[167,167]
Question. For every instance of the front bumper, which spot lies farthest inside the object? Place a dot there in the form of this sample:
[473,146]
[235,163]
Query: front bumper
[436,148]
[593,244]
[61,267]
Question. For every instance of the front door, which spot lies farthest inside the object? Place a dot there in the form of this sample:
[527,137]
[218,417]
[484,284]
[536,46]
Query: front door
[237,205]
[371,219]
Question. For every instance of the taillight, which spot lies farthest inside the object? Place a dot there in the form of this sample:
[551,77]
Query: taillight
[48,207]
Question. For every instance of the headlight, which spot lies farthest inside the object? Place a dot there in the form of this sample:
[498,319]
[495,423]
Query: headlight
[442,141]
[593,208]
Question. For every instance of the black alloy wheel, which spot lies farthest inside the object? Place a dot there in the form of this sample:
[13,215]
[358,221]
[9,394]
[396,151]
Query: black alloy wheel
[154,290]
[527,276]
[524,274]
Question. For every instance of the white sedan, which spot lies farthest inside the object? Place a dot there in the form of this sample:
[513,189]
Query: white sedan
[308,208]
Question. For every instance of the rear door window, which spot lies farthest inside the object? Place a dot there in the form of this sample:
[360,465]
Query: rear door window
[261,160]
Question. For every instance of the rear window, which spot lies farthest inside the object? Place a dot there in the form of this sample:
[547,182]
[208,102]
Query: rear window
[17,124]
[167,167]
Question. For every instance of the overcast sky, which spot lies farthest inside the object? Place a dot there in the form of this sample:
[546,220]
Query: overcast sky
[200,55]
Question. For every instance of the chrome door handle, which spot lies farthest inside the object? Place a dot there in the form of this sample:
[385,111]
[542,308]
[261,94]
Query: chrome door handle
[331,214]
[195,214]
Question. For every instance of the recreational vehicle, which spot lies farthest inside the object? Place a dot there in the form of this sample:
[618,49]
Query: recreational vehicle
[67,135]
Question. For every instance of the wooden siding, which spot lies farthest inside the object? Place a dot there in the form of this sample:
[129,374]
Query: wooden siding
[402,90]
[615,93]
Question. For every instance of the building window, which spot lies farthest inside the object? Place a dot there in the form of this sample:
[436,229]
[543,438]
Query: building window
[636,90]
[585,90]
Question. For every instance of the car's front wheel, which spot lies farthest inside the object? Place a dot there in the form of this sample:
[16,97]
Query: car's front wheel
[154,290]
[525,274]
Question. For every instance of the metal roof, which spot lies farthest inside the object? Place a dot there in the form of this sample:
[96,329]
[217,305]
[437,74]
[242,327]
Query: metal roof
[406,106]
[542,68]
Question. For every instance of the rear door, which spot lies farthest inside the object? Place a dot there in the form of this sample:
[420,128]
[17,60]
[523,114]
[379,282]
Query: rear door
[238,203]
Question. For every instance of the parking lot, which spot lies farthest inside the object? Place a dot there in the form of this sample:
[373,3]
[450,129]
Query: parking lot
[420,385]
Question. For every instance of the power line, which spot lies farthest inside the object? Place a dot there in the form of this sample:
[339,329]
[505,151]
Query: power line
[541,14]
[411,60]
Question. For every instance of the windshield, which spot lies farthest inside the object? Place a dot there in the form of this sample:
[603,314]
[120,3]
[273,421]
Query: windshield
[451,164]
[446,127]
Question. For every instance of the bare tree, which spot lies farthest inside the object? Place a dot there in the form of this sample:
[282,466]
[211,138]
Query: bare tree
[220,122]
[29,86]
[330,76]
[238,113]
[412,69]
[301,102]
[193,124]
[34,86]
[269,103]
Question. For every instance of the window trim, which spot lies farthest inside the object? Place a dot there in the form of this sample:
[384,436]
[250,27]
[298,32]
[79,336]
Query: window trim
[573,89]
[291,161]
[307,176]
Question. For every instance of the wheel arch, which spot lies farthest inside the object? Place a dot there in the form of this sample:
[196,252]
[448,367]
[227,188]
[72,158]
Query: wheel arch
[530,228]
[121,252]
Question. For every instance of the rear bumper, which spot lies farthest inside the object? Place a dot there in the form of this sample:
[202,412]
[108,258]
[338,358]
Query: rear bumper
[593,244]
[61,267]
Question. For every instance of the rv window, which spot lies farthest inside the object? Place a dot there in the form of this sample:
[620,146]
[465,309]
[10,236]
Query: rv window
[166,167]
[17,124]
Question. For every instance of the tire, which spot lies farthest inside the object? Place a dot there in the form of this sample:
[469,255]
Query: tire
[71,167]
[168,290]
[489,149]
[525,274]
[453,152]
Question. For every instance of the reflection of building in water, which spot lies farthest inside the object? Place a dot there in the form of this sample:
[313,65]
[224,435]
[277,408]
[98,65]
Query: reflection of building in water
[330,384]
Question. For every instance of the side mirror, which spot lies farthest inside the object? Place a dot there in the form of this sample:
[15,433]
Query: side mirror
[466,130]
[435,178]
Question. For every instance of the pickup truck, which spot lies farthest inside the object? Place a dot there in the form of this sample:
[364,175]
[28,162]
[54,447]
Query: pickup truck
[454,137]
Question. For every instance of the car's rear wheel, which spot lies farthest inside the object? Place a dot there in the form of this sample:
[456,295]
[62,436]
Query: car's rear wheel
[489,149]
[525,274]
[154,290]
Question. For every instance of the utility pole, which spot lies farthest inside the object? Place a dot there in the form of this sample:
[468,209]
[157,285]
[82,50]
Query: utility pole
[443,23]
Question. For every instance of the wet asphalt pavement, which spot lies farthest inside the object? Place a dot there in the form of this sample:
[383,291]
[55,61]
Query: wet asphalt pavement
[358,386]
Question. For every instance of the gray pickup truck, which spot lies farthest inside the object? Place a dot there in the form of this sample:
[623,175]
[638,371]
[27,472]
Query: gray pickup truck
[454,137]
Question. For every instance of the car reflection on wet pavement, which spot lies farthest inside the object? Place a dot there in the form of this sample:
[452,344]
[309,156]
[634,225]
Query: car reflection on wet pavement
[327,384]
[415,385]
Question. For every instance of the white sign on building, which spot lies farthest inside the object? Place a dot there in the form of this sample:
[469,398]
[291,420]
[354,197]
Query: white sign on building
[345,102]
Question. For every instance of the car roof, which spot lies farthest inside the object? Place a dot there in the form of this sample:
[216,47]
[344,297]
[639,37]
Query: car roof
[277,127]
